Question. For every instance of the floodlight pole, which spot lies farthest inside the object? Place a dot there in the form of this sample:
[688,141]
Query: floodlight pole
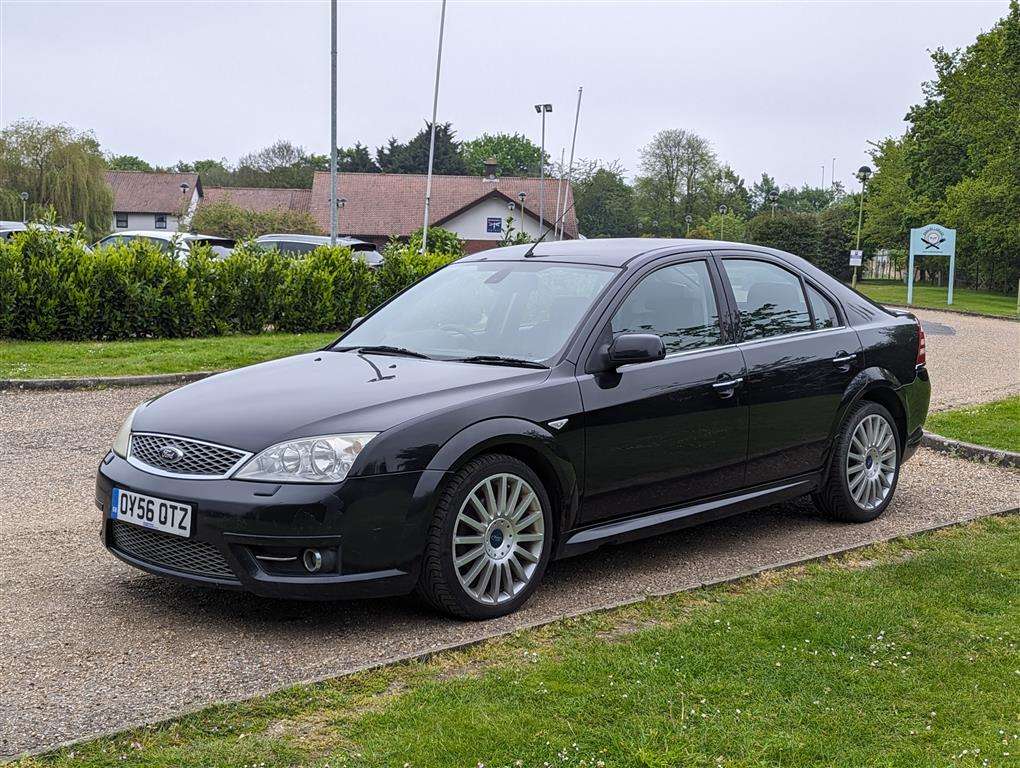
[332,123]
[542,108]
[432,137]
[559,189]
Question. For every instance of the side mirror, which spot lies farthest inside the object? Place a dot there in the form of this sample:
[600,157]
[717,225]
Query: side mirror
[355,323]
[628,348]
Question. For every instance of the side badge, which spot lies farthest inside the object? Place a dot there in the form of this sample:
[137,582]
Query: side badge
[558,423]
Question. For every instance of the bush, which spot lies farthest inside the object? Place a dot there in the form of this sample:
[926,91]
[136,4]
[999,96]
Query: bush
[441,241]
[225,219]
[403,266]
[53,287]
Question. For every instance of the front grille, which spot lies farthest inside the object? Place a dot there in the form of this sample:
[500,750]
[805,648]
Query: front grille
[180,456]
[169,551]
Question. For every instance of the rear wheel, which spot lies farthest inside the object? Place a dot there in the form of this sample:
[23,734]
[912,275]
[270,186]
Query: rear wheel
[490,539]
[864,468]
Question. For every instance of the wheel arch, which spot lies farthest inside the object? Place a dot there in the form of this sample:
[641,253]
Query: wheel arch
[527,441]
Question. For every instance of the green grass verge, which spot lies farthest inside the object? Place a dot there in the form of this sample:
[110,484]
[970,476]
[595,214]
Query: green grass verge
[904,654]
[996,425]
[74,359]
[894,293]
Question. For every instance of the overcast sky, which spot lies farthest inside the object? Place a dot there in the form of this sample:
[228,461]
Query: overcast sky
[781,87]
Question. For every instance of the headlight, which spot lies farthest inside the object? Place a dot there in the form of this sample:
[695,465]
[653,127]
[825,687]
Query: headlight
[325,459]
[122,441]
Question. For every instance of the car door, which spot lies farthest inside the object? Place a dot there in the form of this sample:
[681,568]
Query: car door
[662,433]
[800,355]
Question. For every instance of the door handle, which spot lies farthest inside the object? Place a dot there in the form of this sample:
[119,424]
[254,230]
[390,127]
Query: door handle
[725,387]
[844,359]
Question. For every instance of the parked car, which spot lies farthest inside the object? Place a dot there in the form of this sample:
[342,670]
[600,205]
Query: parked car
[520,405]
[180,243]
[300,244]
[9,229]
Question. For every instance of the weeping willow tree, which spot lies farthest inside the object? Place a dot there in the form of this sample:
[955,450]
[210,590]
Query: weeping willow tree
[61,169]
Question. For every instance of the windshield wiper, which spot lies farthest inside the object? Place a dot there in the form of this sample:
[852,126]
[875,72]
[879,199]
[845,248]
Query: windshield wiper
[500,360]
[384,349]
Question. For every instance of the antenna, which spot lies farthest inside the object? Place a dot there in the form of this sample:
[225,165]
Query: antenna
[531,251]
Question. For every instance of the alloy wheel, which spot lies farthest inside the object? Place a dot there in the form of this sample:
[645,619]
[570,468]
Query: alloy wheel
[498,538]
[871,462]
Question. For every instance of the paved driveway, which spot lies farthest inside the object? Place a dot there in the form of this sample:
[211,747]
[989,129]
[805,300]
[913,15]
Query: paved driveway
[971,359]
[88,644]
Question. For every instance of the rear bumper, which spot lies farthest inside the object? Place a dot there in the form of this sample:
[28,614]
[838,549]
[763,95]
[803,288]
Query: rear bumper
[250,536]
[915,397]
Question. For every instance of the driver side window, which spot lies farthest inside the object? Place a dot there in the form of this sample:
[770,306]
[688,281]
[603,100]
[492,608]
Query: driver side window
[676,303]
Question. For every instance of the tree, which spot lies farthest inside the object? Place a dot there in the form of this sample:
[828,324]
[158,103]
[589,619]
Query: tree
[604,204]
[281,164]
[356,159]
[127,163]
[796,233]
[515,154]
[61,169]
[808,199]
[730,227]
[761,194]
[727,188]
[888,195]
[413,157]
[676,169]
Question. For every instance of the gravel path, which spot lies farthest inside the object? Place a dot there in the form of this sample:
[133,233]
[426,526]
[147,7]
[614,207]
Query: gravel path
[88,644]
[971,359]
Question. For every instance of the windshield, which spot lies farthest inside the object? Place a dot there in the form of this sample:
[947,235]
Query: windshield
[524,310]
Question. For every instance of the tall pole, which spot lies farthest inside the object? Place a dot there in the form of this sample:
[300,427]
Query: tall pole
[541,180]
[860,221]
[559,188]
[823,176]
[832,179]
[332,122]
[432,138]
[570,167]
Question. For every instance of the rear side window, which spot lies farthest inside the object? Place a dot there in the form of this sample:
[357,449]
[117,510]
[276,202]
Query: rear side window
[771,300]
[825,312]
[676,303]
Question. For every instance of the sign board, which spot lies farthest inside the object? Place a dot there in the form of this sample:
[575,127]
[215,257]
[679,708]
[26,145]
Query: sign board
[932,240]
[855,258]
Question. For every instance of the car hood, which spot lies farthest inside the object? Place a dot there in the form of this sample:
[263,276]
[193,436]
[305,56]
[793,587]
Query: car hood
[321,393]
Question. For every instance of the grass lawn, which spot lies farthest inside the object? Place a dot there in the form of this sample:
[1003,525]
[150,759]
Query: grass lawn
[996,425]
[905,654]
[894,292]
[72,359]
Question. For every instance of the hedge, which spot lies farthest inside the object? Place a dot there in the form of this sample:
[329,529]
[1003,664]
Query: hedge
[52,286]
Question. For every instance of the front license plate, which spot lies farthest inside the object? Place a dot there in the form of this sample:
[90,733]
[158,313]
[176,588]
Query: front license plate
[149,512]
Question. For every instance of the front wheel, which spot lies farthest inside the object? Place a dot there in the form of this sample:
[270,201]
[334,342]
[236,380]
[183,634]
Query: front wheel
[490,539]
[865,466]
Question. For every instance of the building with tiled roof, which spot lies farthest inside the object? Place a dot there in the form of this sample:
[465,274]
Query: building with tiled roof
[153,200]
[379,205]
[260,199]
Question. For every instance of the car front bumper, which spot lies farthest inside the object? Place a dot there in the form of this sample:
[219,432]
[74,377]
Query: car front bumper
[244,534]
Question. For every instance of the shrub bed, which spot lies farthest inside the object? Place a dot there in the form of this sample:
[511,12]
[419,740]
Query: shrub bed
[53,287]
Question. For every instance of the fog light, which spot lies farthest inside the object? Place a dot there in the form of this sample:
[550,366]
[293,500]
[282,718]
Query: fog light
[312,558]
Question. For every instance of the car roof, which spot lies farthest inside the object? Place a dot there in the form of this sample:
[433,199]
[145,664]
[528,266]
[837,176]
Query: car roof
[610,252]
[315,239]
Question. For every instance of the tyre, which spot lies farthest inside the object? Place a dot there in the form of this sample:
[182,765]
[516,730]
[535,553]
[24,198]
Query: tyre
[489,541]
[864,468]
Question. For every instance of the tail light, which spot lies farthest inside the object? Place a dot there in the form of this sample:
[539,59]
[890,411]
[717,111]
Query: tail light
[920,345]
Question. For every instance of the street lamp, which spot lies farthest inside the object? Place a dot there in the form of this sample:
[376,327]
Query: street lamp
[863,174]
[521,195]
[24,201]
[774,199]
[688,218]
[542,109]
[722,219]
[340,203]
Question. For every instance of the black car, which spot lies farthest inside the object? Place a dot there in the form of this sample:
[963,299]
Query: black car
[520,405]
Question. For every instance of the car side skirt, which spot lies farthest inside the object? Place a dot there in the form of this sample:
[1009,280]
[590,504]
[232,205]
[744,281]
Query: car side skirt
[665,521]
